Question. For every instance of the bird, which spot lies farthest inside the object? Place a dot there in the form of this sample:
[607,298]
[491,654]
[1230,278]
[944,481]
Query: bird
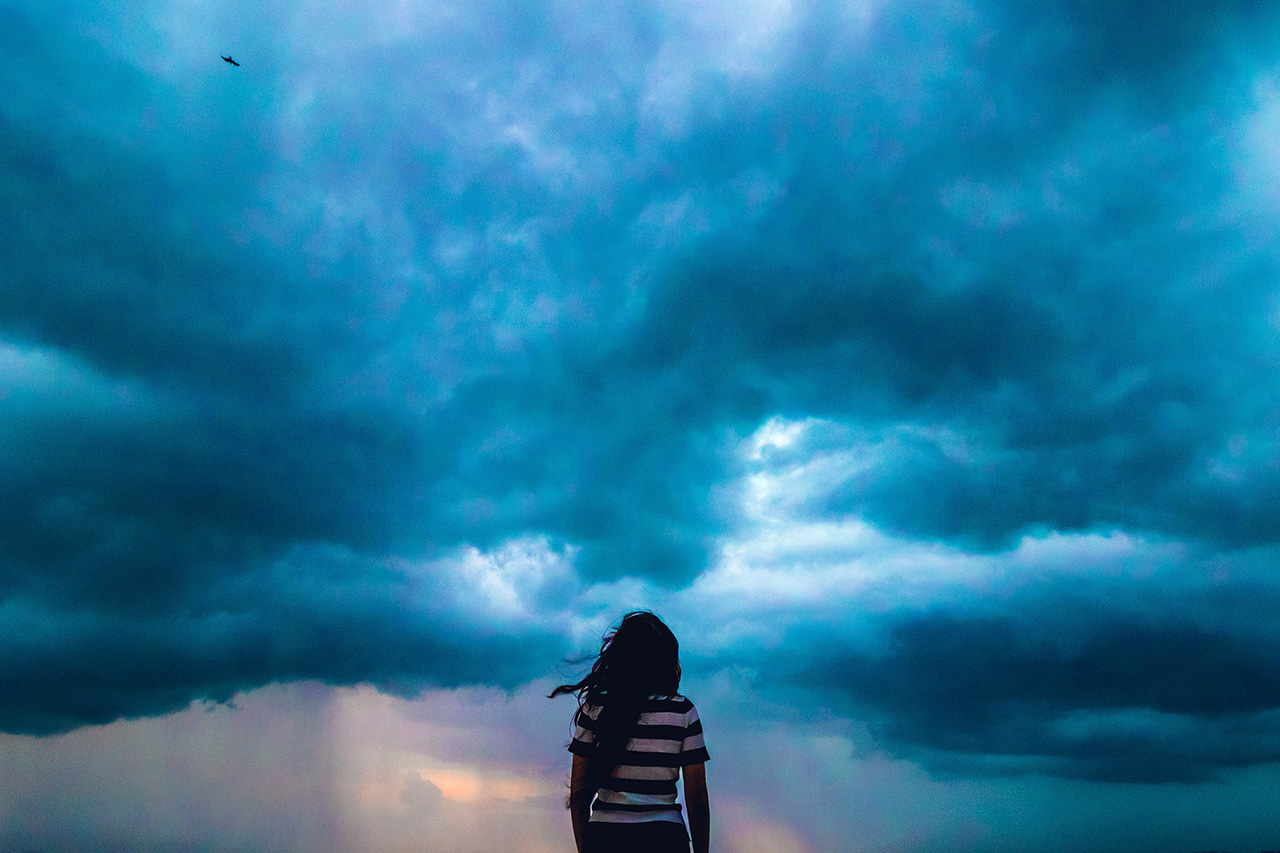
[229,59]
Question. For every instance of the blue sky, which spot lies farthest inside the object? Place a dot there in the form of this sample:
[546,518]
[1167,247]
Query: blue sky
[916,360]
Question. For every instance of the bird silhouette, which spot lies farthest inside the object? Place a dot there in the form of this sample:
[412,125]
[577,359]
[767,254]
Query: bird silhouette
[229,59]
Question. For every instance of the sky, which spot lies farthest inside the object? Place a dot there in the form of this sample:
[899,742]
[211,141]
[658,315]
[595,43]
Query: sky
[917,360]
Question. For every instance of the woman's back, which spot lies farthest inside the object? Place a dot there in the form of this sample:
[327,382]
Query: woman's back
[642,786]
[633,736]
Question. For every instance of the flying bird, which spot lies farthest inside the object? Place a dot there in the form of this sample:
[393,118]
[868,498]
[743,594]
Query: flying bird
[229,59]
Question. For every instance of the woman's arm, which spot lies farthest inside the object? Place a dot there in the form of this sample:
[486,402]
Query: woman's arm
[579,800]
[698,806]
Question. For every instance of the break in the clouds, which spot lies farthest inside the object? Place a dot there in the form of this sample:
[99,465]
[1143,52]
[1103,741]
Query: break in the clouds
[391,355]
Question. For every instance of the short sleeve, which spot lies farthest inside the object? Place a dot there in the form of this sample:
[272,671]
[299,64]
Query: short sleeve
[583,734]
[694,748]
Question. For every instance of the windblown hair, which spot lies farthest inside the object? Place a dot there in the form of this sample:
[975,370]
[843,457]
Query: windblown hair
[641,658]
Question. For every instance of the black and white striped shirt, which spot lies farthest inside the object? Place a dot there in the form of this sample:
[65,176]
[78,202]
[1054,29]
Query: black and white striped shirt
[667,736]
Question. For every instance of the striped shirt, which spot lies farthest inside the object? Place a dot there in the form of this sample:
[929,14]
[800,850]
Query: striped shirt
[666,737]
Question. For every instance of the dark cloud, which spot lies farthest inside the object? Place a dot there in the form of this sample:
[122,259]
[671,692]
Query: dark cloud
[1064,687]
[1060,293]
[1160,51]
[515,276]
[319,614]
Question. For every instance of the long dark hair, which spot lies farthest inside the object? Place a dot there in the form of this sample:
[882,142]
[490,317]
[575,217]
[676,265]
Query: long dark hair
[638,659]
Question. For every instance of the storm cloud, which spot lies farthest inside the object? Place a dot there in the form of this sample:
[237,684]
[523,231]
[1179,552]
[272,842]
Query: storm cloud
[1063,688]
[288,350]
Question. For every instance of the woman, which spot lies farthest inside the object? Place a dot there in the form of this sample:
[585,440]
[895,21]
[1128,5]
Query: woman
[633,736]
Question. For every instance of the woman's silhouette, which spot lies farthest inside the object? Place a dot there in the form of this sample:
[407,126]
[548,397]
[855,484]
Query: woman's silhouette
[633,735]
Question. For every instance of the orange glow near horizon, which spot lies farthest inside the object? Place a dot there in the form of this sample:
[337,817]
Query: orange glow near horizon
[469,787]
[458,785]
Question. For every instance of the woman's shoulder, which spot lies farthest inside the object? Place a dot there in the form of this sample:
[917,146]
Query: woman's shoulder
[677,702]
[672,702]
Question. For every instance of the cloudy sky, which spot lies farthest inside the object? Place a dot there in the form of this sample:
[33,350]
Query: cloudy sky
[917,360]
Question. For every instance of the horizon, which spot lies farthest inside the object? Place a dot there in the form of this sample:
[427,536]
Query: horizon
[917,361]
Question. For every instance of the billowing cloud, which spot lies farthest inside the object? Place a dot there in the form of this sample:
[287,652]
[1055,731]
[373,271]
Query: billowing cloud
[406,352]
[317,614]
[1066,693]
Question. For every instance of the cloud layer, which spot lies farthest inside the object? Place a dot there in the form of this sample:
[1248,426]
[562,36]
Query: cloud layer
[410,349]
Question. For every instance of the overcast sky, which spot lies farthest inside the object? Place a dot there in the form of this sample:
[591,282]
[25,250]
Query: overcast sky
[917,360]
